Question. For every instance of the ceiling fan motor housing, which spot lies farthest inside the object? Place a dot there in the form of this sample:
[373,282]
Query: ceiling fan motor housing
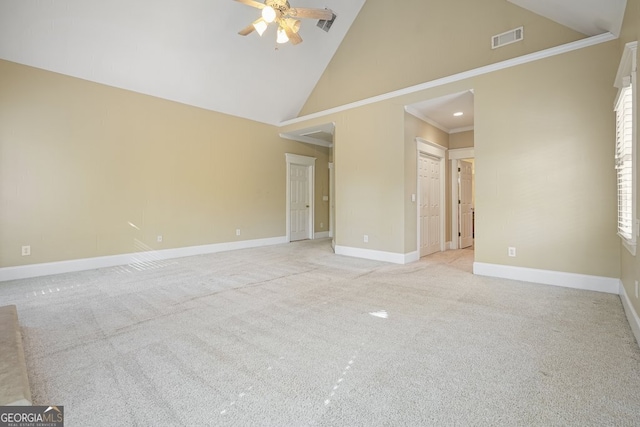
[279,5]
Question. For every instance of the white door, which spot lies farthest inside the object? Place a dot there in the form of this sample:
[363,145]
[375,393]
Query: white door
[465,215]
[430,236]
[299,186]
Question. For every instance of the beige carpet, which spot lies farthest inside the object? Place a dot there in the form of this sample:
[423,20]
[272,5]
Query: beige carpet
[294,335]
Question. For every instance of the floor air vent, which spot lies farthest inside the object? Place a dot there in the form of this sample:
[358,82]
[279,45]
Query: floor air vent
[507,38]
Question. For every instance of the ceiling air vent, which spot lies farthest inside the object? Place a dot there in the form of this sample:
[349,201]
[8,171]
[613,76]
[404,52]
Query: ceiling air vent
[326,24]
[507,38]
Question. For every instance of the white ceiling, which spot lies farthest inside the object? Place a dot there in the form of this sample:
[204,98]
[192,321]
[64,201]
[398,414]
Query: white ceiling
[189,50]
[590,17]
[186,51]
[439,112]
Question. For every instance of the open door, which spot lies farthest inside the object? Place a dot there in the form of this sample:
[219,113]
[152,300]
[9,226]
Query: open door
[465,210]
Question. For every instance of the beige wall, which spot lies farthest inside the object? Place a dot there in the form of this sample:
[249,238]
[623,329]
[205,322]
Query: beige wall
[79,161]
[461,140]
[631,264]
[544,181]
[370,192]
[421,41]
[81,164]
[413,128]
[544,141]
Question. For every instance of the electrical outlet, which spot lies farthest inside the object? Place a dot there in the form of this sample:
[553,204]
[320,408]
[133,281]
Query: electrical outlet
[512,251]
[413,197]
[26,250]
[159,239]
[366,238]
[322,225]
[237,231]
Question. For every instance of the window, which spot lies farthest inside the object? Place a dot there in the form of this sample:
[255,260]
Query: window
[624,162]
[625,154]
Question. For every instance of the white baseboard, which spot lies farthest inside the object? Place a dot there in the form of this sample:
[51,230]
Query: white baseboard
[322,235]
[608,285]
[392,257]
[141,258]
[448,246]
[632,316]
[411,257]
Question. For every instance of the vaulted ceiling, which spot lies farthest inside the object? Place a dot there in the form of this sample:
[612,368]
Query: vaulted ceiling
[189,50]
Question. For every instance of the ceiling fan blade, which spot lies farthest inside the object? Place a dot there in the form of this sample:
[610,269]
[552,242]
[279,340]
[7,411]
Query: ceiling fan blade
[249,28]
[304,12]
[294,37]
[252,3]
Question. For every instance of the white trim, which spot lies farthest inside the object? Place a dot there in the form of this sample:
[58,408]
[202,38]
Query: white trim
[524,59]
[306,140]
[462,129]
[371,254]
[425,147]
[431,148]
[627,63]
[462,153]
[627,75]
[411,257]
[332,189]
[417,114]
[300,160]
[632,315]
[455,155]
[449,246]
[322,235]
[310,163]
[144,259]
[630,246]
[608,285]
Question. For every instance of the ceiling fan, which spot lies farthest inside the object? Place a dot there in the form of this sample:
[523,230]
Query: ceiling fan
[281,12]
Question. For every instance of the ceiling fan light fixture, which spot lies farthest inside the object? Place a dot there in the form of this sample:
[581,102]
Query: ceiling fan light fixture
[260,27]
[269,14]
[282,36]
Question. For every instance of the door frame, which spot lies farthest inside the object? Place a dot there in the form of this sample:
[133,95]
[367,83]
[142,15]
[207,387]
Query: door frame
[438,151]
[331,201]
[310,163]
[454,156]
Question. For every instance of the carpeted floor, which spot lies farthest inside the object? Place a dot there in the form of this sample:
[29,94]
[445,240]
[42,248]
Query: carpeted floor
[294,335]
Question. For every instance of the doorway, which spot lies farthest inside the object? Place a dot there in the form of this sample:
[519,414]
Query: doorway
[462,198]
[300,197]
[466,203]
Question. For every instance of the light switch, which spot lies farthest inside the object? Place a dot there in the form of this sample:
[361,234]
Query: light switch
[413,197]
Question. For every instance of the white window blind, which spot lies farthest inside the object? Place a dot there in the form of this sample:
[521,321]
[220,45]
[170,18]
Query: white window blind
[624,161]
